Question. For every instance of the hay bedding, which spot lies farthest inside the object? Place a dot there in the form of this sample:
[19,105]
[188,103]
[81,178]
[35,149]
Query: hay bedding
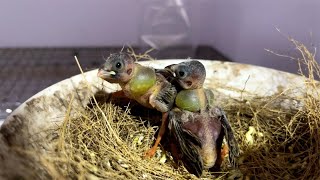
[274,145]
[108,140]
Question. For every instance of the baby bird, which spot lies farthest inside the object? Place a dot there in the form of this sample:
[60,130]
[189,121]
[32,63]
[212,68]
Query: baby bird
[143,84]
[196,124]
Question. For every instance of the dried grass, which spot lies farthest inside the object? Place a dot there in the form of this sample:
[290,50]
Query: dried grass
[286,145]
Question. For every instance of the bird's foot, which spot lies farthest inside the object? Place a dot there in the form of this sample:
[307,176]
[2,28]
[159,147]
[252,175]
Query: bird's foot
[151,152]
[224,151]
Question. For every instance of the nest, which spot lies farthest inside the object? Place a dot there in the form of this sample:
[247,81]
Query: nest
[107,140]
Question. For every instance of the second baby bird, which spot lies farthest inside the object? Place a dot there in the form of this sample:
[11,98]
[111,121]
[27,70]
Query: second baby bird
[195,123]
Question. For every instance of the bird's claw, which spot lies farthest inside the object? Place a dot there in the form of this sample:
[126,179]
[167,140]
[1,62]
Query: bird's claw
[150,153]
[224,151]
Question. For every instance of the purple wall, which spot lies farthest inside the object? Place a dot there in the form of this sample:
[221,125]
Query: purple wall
[239,29]
[243,29]
[68,22]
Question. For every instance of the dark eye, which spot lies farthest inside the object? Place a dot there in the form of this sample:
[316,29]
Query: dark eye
[118,65]
[181,73]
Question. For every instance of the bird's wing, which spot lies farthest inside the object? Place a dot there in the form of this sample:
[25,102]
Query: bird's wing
[166,73]
[165,96]
[231,140]
[187,144]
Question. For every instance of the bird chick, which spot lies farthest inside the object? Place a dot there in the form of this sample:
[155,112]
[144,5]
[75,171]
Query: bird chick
[195,123]
[143,84]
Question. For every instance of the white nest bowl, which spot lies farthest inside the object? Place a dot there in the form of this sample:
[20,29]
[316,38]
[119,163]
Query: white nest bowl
[48,108]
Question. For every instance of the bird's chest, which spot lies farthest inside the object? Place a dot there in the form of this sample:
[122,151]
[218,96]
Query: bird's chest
[140,85]
[191,100]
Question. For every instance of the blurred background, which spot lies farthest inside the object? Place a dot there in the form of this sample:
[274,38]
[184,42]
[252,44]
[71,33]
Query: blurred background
[39,38]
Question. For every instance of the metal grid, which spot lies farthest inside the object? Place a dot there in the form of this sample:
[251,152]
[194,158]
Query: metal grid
[26,71]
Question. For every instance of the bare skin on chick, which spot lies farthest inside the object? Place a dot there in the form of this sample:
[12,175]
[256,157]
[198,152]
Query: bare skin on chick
[142,84]
[196,125]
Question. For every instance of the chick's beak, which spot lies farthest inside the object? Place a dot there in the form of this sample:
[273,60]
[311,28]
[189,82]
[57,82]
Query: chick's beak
[104,74]
[172,68]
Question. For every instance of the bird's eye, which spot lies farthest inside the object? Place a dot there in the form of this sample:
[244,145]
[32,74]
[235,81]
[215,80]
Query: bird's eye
[181,73]
[118,65]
